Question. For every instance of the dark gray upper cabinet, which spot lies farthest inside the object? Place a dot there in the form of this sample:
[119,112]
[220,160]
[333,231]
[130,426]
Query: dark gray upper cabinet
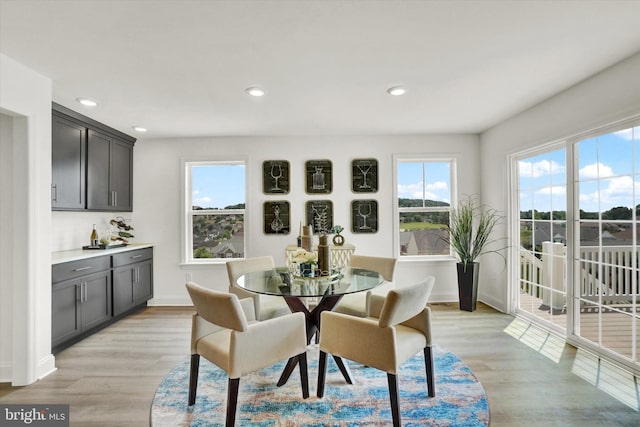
[68,156]
[109,173]
[92,164]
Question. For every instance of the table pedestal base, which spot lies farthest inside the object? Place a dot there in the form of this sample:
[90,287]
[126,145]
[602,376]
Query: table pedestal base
[313,327]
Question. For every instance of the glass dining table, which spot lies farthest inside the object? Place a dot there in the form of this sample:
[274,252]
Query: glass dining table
[297,291]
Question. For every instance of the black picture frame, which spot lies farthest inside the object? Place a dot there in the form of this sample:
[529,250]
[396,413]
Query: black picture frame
[275,177]
[364,175]
[319,213]
[364,216]
[318,176]
[277,217]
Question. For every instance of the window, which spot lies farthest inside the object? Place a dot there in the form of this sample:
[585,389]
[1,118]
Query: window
[579,234]
[542,190]
[215,210]
[424,192]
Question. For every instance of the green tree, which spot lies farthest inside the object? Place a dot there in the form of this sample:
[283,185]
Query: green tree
[202,252]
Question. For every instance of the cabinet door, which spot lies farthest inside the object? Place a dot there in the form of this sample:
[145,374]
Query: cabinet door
[122,289]
[121,175]
[96,300]
[98,159]
[68,144]
[65,320]
[109,173]
[143,285]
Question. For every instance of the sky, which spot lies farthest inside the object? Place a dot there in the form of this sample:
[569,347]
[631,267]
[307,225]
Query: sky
[608,174]
[219,186]
[435,185]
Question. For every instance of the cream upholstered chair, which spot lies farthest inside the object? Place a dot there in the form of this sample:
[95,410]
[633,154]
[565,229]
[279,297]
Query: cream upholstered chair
[398,327]
[266,306]
[356,304]
[224,331]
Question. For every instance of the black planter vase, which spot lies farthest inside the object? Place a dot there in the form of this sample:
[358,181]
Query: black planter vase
[468,285]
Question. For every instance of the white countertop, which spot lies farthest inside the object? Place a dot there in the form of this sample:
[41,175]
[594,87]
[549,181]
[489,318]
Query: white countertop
[78,254]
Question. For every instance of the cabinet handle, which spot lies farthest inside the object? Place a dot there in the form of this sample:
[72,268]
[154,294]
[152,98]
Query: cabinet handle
[114,198]
[82,268]
[79,292]
[136,256]
[54,193]
[137,274]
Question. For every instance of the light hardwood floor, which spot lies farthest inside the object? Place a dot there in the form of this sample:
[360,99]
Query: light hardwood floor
[110,378]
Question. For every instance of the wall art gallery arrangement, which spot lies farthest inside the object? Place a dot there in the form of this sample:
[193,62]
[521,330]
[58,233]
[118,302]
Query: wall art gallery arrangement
[276,179]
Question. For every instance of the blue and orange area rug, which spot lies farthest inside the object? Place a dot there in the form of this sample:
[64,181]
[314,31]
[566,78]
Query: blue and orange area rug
[460,399]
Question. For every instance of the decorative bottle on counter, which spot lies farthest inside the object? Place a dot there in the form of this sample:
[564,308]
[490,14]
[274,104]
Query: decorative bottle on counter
[324,256]
[94,237]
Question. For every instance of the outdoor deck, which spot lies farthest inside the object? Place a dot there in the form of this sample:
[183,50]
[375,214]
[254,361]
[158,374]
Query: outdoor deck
[617,323]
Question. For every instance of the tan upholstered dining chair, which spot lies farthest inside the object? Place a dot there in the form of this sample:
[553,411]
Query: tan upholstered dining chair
[398,327]
[356,304]
[225,332]
[266,306]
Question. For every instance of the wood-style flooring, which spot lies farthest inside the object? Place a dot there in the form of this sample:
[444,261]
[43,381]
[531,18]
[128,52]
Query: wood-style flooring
[110,378]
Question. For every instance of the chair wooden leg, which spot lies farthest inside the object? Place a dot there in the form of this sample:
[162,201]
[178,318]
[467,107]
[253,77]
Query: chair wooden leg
[322,372]
[193,378]
[428,365]
[232,401]
[394,396]
[304,375]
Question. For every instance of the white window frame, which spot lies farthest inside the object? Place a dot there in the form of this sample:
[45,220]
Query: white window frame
[187,211]
[398,158]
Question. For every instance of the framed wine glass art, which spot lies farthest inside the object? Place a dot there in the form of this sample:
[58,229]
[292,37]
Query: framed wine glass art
[275,177]
[364,216]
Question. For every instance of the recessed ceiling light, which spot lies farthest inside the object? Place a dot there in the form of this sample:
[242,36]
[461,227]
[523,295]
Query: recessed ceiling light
[255,91]
[87,102]
[397,90]
[139,128]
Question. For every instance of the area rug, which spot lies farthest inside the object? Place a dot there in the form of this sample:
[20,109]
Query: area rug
[460,399]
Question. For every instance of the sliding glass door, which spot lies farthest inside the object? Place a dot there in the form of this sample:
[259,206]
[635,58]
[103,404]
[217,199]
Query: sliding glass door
[542,211]
[579,240]
[607,182]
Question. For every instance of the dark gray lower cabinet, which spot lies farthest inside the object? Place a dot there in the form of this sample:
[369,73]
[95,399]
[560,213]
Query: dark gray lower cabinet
[132,279]
[80,303]
[88,294]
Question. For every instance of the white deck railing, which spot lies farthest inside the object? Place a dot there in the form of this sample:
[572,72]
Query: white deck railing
[608,274]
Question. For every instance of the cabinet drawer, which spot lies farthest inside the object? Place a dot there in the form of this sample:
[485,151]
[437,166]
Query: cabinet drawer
[73,269]
[131,257]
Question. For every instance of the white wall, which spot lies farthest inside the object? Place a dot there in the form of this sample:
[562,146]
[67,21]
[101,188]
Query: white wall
[157,198]
[25,103]
[607,97]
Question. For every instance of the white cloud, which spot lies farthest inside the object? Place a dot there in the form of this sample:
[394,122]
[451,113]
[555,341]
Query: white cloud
[438,186]
[410,190]
[595,170]
[200,201]
[554,190]
[629,134]
[434,191]
[540,168]
[618,192]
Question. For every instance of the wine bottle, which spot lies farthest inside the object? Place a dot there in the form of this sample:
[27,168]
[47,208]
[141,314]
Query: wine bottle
[94,237]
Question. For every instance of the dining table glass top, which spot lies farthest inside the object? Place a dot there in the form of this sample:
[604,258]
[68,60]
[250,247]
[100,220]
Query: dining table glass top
[283,282]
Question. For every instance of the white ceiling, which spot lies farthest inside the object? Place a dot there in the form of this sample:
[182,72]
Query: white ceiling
[180,68]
